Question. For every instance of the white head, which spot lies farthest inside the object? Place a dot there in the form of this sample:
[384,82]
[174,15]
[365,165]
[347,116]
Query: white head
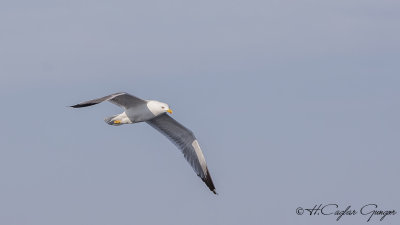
[158,108]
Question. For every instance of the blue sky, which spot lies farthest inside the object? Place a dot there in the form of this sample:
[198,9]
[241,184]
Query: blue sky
[295,103]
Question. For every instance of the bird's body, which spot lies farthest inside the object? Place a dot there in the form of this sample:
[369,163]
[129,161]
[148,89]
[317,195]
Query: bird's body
[137,113]
[154,113]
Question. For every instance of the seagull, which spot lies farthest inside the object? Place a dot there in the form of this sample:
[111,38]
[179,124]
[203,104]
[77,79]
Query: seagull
[154,113]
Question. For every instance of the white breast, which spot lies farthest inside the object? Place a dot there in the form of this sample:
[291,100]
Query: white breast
[155,107]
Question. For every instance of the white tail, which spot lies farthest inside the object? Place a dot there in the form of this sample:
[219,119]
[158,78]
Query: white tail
[112,120]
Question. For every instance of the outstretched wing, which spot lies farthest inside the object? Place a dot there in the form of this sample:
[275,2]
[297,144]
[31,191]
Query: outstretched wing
[184,139]
[121,99]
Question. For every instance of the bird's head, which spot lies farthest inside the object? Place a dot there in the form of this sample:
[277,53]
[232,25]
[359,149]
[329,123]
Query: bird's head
[158,108]
[165,108]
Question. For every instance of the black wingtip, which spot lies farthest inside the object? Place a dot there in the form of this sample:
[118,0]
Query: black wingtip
[209,182]
[82,105]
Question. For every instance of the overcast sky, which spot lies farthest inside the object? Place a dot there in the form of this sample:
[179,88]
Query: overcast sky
[294,103]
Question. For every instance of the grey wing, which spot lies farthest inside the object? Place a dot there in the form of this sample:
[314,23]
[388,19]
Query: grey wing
[121,99]
[184,139]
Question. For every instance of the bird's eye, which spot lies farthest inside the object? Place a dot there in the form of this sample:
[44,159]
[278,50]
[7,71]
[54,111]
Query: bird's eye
[162,107]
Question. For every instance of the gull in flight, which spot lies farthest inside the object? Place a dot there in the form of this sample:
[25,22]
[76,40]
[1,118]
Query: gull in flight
[154,113]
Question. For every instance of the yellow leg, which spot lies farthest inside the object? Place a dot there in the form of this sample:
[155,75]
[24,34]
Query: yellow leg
[117,121]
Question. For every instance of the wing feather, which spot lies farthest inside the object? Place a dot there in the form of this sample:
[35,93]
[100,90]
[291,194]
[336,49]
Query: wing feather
[120,99]
[185,140]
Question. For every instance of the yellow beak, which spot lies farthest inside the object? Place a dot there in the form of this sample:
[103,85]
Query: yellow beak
[170,111]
